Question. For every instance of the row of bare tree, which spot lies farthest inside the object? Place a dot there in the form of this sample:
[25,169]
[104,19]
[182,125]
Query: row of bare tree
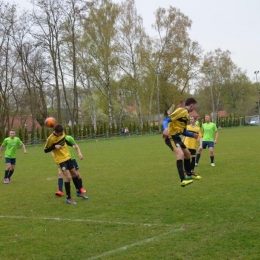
[87,61]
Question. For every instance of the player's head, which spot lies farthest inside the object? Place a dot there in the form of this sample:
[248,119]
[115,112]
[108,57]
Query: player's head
[207,118]
[192,120]
[172,107]
[190,104]
[12,133]
[181,104]
[58,129]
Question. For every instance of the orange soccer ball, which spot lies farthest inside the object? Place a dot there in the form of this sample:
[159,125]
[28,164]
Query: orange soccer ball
[50,122]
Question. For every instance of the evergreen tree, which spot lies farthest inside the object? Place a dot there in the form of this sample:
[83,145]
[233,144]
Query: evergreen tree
[101,130]
[1,136]
[84,131]
[38,133]
[43,134]
[79,132]
[20,134]
[69,131]
[26,136]
[75,131]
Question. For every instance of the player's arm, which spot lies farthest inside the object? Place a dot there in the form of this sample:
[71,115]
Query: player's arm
[166,121]
[48,146]
[4,144]
[200,137]
[69,143]
[216,137]
[200,141]
[76,147]
[190,134]
[49,149]
[24,149]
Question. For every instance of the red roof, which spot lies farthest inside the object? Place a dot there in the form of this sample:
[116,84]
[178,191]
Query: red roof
[131,109]
[22,121]
[222,113]
[194,113]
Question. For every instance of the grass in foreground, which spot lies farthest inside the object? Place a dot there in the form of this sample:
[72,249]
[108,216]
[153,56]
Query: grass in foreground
[136,207]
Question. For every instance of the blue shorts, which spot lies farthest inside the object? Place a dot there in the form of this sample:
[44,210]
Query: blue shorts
[12,161]
[208,144]
[75,164]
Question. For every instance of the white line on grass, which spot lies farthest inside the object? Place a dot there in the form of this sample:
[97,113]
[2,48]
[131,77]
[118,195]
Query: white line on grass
[86,220]
[140,243]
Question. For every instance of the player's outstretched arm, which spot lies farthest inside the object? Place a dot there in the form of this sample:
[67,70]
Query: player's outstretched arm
[216,138]
[190,134]
[76,147]
[24,149]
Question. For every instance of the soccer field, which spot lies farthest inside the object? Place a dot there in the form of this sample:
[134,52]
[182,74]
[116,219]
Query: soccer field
[136,208]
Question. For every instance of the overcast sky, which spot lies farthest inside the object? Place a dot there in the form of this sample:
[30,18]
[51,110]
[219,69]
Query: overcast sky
[232,25]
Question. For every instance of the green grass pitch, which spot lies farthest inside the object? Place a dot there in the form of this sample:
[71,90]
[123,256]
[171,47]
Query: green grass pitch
[136,208]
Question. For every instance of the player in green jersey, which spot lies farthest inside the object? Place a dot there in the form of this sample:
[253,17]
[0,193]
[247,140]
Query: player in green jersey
[11,144]
[210,138]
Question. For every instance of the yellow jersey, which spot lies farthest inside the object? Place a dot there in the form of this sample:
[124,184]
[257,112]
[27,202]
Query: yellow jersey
[62,154]
[190,142]
[180,118]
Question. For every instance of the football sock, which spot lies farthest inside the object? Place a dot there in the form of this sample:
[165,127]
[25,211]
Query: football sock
[192,163]
[6,173]
[76,183]
[60,184]
[197,157]
[67,188]
[179,164]
[10,174]
[187,166]
[80,183]
[212,159]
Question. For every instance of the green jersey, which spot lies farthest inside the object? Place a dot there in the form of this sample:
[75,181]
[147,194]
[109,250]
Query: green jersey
[209,130]
[11,145]
[73,142]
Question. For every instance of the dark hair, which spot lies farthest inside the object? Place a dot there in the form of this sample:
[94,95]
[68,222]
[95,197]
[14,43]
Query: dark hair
[58,128]
[190,101]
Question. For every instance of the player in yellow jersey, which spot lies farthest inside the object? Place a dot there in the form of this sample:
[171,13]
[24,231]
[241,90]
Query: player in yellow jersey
[174,126]
[82,192]
[192,143]
[58,144]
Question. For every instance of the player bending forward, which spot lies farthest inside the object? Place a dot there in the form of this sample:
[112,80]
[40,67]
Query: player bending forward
[79,193]
[57,143]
